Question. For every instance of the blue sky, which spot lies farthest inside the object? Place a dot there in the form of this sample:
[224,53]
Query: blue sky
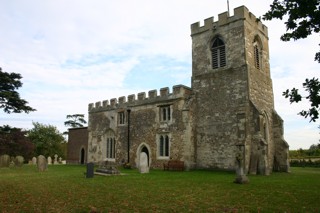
[72,54]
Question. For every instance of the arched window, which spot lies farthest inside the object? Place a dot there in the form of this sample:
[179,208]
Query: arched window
[218,50]
[110,145]
[164,144]
[257,50]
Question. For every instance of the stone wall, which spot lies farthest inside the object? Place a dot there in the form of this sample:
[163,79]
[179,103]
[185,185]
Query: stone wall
[144,127]
[233,104]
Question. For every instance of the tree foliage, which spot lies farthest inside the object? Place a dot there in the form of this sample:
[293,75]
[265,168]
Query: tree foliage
[312,86]
[13,142]
[10,99]
[303,19]
[47,139]
[76,120]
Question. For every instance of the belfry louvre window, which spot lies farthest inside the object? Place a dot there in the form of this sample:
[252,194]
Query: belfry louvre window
[111,143]
[218,51]
[257,51]
[164,146]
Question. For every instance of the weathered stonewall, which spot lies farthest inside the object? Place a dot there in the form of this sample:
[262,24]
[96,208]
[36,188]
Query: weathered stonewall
[42,163]
[4,161]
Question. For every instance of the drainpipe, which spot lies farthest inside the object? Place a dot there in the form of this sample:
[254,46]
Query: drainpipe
[128,110]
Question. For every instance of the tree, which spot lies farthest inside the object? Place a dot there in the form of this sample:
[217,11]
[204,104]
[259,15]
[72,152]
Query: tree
[47,139]
[10,99]
[76,120]
[312,86]
[13,141]
[303,19]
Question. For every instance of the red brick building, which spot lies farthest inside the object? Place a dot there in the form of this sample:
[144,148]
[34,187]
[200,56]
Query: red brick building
[77,145]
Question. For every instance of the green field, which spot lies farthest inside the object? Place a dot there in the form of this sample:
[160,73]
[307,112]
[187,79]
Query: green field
[63,188]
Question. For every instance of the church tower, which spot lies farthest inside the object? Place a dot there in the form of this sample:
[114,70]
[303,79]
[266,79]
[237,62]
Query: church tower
[233,97]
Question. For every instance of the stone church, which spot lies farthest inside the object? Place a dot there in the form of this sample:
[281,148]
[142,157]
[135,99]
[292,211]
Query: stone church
[227,112]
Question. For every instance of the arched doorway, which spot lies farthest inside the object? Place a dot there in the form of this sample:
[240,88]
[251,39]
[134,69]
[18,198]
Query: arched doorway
[145,149]
[82,156]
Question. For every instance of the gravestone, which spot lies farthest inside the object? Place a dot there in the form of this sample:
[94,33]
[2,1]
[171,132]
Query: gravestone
[49,160]
[4,161]
[42,163]
[55,161]
[60,160]
[241,176]
[90,170]
[34,161]
[108,167]
[18,161]
[143,166]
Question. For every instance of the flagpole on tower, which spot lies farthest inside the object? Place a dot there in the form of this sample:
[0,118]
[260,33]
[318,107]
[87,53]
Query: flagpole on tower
[228,8]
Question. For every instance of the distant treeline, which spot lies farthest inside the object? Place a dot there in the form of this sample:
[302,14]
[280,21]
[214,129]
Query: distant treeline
[305,157]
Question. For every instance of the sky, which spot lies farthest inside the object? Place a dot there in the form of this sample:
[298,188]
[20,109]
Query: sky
[72,53]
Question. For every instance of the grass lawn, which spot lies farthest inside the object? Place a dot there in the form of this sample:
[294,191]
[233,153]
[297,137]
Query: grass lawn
[63,188]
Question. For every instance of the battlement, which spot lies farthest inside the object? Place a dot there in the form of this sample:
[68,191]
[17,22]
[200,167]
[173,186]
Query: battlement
[178,91]
[240,13]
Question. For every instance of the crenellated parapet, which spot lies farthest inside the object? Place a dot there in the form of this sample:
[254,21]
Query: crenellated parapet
[178,91]
[240,13]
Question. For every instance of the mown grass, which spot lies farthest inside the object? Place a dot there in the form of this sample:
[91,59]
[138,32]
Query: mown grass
[63,188]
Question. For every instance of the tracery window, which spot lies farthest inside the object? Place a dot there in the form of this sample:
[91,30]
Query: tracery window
[218,51]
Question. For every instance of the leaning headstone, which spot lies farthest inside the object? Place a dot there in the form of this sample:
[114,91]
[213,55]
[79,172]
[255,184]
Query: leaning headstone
[143,168]
[19,161]
[42,163]
[34,161]
[49,160]
[55,161]
[4,161]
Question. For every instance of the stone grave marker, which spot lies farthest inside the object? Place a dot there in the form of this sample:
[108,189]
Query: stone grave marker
[18,161]
[42,163]
[34,161]
[241,176]
[90,170]
[4,161]
[143,166]
[55,161]
[49,160]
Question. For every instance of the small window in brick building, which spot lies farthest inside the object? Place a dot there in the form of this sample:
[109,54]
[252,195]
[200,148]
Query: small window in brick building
[218,51]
